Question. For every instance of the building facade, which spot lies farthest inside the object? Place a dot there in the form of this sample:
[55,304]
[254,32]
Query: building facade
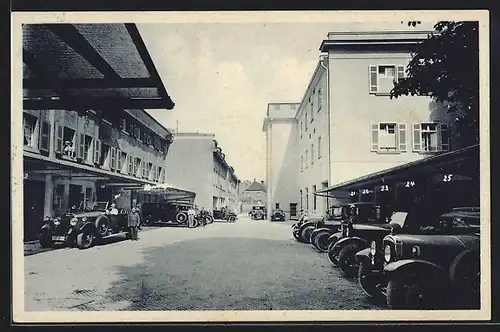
[254,194]
[197,163]
[347,124]
[73,157]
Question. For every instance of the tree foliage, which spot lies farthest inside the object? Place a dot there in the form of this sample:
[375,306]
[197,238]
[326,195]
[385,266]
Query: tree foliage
[445,66]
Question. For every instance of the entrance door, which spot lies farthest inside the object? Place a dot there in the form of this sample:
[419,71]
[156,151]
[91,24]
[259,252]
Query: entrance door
[75,195]
[293,210]
[34,197]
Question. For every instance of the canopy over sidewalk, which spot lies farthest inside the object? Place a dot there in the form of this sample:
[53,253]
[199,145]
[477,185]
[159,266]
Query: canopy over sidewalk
[169,192]
[89,66]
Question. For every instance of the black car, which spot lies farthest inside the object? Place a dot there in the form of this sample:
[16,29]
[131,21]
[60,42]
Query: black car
[331,224]
[364,219]
[305,226]
[278,215]
[165,213]
[436,268]
[82,226]
[258,212]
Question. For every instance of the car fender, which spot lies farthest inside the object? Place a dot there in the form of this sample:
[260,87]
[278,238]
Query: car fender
[47,226]
[413,265]
[306,224]
[337,235]
[349,240]
[85,225]
[363,255]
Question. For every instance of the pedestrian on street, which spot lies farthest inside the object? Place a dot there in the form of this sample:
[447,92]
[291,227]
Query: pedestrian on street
[191,213]
[203,216]
[133,222]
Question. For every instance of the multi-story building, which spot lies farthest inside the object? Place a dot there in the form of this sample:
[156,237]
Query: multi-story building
[197,163]
[72,157]
[347,124]
[254,194]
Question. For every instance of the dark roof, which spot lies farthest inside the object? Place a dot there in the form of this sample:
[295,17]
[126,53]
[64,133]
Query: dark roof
[464,162]
[256,186]
[94,66]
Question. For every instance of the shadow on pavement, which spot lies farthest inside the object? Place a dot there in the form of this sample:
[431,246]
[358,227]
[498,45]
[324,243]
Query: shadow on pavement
[235,274]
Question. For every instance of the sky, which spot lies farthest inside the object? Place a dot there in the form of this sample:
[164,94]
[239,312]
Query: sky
[221,77]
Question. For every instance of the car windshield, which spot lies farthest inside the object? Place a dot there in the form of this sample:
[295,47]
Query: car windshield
[399,218]
[100,206]
[258,208]
[460,220]
[278,211]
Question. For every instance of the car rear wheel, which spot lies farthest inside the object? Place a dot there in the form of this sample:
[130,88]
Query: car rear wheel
[210,219]
[305,234]
[369,286]
[45,239]
[409,291]
[465,276]
[347,260]
[102,225]
[333,255]
[85,239]
[181,217]
[321,241]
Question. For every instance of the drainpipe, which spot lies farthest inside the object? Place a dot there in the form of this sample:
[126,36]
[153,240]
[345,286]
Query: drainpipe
[328,121]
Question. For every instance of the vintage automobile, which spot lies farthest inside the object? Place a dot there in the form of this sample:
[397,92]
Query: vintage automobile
[437,267]
[225,214]
[258,212]
[160,213]
[82,227]
[306,225]
[331,224]
[278,215]
[363,218]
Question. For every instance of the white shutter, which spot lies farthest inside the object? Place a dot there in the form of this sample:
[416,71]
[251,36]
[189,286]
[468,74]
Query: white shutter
[118,160]
[97,151]
[113,158]
[81,146]
[374,136]
[58,142]
[445,137]
[416,137]
[373,79]
[130,169]
[400,72]
[402,137]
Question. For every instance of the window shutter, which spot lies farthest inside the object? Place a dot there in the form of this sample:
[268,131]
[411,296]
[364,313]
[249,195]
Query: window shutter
[373,79]
[445,137]
[97,151]
[58,142]
[402,137]
[374,136]
[400,72]
[416,137]
[118,160]
[45,136]
[130,169]
[81,146]
[113,158]
[162,177]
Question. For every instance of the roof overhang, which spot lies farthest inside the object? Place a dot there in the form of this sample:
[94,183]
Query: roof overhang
[370,45]
[463,163]
[89,66]
[35,164]
[169,192]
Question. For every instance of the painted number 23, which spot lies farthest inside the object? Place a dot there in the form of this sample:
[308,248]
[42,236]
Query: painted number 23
[384,188]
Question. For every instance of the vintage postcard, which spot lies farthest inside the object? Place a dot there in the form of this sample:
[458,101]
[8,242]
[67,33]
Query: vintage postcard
[250,166]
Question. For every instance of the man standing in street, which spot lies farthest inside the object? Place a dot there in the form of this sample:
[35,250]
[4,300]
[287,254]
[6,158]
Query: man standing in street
[191,214]
[133,223]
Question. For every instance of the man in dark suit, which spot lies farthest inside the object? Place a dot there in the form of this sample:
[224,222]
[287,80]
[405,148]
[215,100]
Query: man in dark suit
[133,222]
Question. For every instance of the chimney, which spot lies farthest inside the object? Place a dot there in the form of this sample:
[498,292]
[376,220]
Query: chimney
[254,179]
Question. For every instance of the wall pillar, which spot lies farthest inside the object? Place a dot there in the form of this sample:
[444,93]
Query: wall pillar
[65,198]
[49,194]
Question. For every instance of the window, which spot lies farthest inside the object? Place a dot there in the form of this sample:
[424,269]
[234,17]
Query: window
[305,122]
[314,198]
[30,125]
[301,163]
[382,77]
[137,166]
[388,137]
[96,145]
[312,110]
[319,147]
[320,100]
[431,137]
[45,137]
[113,158]
[130,169]
[312,153]
[301,128]
[307,198]
[277,205]
[149,138]
[301,198]
[307,157]
[120,159]
[131,126]
[123,124]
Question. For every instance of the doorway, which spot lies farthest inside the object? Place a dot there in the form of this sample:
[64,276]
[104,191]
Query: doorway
[75,195]
[34,199]
[293,210]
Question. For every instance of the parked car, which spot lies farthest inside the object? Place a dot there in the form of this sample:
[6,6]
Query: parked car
[82,227]
[172,212]
[363,218]
[225,214]
[303,229]
[331,224]
[278,215]
[258,212]
[436,269]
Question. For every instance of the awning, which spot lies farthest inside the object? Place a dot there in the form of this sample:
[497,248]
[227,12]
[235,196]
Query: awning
[35,164]
[463,164]
[169,192]
[89,66]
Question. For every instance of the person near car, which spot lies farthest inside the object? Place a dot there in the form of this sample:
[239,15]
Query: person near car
[133,222]
[203,216]
[113,211]
[191,214]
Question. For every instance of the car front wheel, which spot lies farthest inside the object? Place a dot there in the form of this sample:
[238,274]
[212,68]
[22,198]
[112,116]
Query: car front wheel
[85,239]
[305,234]
[367,284]
[347,260]
[45,239]
[321,241]
[410,292]
[333,255]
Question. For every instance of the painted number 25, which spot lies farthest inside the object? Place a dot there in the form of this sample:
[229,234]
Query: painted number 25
[447,177]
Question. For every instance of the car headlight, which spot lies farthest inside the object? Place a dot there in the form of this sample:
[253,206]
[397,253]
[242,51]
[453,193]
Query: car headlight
[415,251]
[387,253]
[84,219]
[373,248]
[73,221]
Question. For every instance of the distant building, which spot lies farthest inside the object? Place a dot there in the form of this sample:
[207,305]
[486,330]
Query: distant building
[197,163]
[254,194]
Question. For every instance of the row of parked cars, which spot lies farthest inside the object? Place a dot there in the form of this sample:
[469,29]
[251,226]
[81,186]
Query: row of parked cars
[401,257]
[84,226]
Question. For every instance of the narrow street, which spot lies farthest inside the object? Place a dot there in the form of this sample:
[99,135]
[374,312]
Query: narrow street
[248,265]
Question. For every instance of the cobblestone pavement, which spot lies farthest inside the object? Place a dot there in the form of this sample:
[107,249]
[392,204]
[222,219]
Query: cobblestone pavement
[247,265]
